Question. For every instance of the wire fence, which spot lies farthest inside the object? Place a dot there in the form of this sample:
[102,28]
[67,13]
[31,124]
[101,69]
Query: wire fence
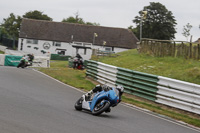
[10,43]
[162,48]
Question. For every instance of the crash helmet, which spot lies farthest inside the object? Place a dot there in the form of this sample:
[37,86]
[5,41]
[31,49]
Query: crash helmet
[98,86]
[120,88]
[104,86]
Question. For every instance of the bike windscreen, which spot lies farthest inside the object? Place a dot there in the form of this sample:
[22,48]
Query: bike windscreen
[116,91]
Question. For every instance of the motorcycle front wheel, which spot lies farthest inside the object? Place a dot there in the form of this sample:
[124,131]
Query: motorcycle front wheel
[100,107]
[21,64]
[78,104]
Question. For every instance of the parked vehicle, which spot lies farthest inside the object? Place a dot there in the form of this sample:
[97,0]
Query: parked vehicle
[100,101]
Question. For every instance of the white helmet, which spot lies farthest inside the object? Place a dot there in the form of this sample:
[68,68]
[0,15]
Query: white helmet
[104,86]
[120,88]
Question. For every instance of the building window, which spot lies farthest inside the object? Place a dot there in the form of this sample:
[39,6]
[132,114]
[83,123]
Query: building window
[78,43]
[57,44]
[32,41]
[61,52]
[108,49]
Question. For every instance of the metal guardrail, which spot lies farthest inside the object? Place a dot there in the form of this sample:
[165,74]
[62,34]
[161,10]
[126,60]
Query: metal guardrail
[179,94]
[171,92]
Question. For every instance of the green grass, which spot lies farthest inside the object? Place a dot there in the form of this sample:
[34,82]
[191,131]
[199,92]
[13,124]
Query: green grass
[176,68]
[59,70]
[1,52]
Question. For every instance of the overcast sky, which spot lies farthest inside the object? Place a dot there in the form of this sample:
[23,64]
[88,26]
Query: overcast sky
[111,13]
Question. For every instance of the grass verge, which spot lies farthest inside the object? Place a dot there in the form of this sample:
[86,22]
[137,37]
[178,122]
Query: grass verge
[59,70]
[1,52]
[176,68]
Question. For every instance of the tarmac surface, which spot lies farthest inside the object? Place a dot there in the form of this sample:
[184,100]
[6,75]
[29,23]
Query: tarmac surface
[31,102]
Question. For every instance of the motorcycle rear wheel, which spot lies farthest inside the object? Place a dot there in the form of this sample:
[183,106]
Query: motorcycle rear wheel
[98,109]
[78,104]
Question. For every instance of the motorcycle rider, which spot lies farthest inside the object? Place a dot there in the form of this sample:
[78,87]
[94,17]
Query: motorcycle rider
[78,56]
[78,60]
[31,57]
[24,61]
[99,88]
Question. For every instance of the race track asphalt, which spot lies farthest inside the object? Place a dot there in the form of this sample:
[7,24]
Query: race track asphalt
[31,102]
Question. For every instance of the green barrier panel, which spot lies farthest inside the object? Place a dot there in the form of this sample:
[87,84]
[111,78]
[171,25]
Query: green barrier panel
[138,75]
[92,69]
[12,60]
[139,94]
[85,63]
[137,83]
[60,57]
[70,63]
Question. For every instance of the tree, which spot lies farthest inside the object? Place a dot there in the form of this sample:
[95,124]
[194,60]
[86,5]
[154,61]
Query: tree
[10,26]
[186,30]
[159,23]
[78,20]
[134,30]
[73,20]
[37,15]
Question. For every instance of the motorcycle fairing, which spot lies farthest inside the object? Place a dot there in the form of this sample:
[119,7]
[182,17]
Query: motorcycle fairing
[99,96]
[113,96]
[86,104]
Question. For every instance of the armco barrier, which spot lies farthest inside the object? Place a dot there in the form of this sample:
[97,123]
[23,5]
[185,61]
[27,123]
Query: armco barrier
[171,92]
[106,74]
[179,94]
[137,83]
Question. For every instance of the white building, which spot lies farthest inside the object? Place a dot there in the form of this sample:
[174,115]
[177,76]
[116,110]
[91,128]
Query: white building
[40,37]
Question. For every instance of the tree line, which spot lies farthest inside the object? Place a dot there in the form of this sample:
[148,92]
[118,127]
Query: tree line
[11,25]
[154,21]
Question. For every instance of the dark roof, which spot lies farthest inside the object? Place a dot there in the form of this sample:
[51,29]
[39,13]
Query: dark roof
[198,40]
[62,32]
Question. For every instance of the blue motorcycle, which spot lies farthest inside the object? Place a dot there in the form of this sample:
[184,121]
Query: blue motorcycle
[101,101]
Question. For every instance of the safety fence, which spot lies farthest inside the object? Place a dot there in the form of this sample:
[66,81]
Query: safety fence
[171,92]
[162,48]
[11,43]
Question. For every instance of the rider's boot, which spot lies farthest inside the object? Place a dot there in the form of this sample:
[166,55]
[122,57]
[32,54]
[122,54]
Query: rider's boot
[108,110]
